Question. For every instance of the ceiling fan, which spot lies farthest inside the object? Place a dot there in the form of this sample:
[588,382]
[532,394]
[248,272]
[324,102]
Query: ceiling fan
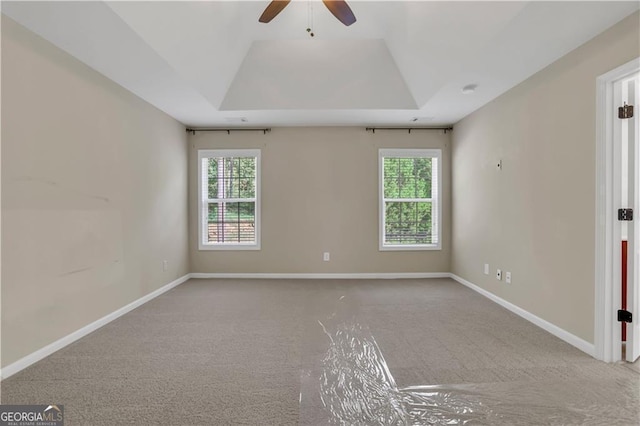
[339,8]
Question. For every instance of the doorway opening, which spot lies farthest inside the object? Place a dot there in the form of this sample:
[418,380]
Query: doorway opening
[617,298]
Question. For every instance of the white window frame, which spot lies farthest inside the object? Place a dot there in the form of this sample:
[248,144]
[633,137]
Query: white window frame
[436,201]
[203,202]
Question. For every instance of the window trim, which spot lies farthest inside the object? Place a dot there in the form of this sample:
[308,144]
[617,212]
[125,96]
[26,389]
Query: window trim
[212,153]
[408,153]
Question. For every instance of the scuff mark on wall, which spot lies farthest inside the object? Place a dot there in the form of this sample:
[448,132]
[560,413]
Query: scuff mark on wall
[77,271]
[57,185]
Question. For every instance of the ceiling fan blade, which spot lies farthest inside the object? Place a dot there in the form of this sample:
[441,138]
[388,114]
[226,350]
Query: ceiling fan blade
[272,10]
[340,10]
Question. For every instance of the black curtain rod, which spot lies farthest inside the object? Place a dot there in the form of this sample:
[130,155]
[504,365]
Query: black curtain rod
[215,129]
[265,130]
[409,129]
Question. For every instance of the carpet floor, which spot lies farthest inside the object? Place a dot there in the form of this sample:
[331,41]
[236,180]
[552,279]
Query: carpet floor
[311,352]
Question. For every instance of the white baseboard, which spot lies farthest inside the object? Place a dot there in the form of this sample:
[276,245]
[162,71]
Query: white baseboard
[325,276]
[562,334]
[36,356]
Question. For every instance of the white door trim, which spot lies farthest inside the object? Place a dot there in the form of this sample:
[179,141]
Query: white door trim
[607,334]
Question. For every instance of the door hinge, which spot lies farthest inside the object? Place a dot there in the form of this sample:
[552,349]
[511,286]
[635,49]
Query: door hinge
[624,316]
[625,214]
[625,111]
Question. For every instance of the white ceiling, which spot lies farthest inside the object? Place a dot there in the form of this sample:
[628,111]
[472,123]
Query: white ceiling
[209,63]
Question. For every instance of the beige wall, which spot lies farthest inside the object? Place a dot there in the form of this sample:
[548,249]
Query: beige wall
[536,217]
[94,195]
[320,193]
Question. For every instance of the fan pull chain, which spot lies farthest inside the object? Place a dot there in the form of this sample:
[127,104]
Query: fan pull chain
[310,18]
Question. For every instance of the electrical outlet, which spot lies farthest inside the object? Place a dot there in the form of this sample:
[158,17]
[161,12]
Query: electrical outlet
[326,257]
[499,274]
[486,269]
[507,277]
[165,265]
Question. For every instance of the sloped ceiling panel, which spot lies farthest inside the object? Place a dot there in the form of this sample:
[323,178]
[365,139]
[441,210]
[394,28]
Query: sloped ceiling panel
[318,74]
[95,35]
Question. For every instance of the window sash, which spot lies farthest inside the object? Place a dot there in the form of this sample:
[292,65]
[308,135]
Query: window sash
[229,227]
[410,230]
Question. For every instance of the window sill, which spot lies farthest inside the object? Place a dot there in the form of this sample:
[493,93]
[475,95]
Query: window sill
[429,247]
[228,247]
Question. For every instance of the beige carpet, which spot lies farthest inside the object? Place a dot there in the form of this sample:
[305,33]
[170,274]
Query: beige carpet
[252,352]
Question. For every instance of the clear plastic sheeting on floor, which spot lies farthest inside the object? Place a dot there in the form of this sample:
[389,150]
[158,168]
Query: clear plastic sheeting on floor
[353,385]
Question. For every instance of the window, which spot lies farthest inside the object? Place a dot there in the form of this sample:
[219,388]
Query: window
[409,199]
[229,199]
